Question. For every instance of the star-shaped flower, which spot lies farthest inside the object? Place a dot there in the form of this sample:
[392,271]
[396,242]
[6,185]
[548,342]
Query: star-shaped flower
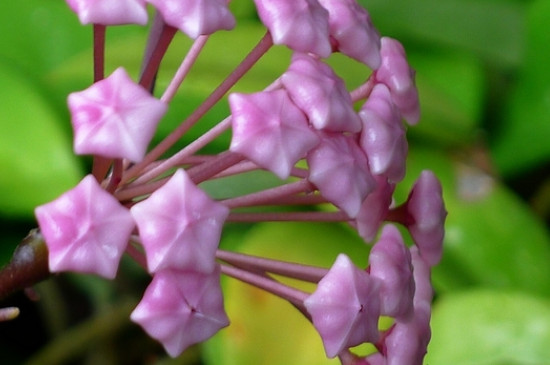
[180,226]
[301,25]
[86,230]
[270,130]
[115,118]
[345,307]
[340,170]
[351,27]
[109,12]
[196,17]
[182,308]
[321,94]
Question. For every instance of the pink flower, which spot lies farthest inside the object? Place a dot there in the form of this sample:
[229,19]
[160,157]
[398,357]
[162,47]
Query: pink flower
[114,118]
[181,308]
[383,136]
[390,261]
[345,307]
[339,169]
[374,209]
[180,226]
[426,207]
[86,230]
[109,12]
[321,94]
[351,27]
[196,17]
[301,25]
[398,76]
[270,130]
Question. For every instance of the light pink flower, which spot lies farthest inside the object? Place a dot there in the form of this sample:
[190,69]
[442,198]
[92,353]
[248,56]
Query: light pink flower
[321,94]
[86,230]
[181,308]
[340,170]
[196,17]
[351,27]
[345,307]
[270,130]
[390,261]
[301,25]
[110,12]
[374,209]
[383,136]
[398,76]
[180,226]
[115,118]
[426,207]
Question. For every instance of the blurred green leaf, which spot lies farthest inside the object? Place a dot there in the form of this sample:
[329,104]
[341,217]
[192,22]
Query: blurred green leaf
[524,135]
[36,160]
[492,238]
[490,327]
[491,29]
[265,329]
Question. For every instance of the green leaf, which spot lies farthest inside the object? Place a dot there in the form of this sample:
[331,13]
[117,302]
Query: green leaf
[490,327]
[265,329]
[492,29]
[36,159]
[492,238]
[523,136]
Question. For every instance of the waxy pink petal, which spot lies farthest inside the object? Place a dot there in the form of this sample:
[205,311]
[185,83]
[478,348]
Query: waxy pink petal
[398,76]
[426,207]
[110,12]
[351,26]
[383,136]
[114,118]
[345,307]
[86,230]
[180,226]
[374,209]
[196,17]
[390,261]
[340,170]
[321,94]
[270,130]
[301,25]
[181,308]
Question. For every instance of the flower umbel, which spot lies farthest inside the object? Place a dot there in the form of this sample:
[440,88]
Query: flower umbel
[304,127]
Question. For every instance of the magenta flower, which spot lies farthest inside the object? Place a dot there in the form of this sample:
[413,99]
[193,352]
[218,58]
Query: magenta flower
[345,307]
[340,171]
[351,27]
[108,12]
[301,25]
[114,118]
[181,308]
[390,261]
[270,130]
[86,230]
[196,17]
[426,207]
[383,136]
[321,94]
[304,128]
[398,76]
[180,226]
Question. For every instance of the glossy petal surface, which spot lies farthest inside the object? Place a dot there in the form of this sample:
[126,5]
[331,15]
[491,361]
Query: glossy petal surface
[180,226]
[270,130]
[321,94]
[86,230]
[109,12]
[114,117]
[345,307]
[374,209]
[181,308]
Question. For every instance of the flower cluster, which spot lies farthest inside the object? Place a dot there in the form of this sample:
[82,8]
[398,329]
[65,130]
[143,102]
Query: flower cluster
[328,145]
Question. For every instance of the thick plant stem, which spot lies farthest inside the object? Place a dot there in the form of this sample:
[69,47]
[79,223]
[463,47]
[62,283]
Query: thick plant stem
[28,266]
